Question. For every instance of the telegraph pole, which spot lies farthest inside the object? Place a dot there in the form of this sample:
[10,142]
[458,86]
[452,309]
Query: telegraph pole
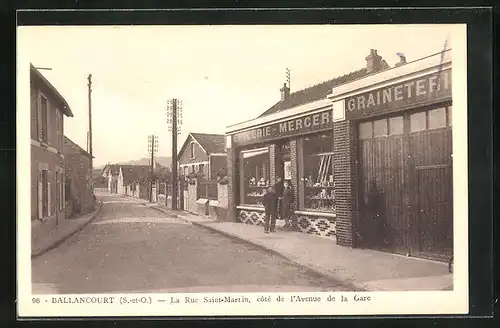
[174,155]
[174,120]
[153,148]
[90,117]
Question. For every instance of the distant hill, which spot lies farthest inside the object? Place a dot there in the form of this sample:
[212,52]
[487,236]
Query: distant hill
[164,161]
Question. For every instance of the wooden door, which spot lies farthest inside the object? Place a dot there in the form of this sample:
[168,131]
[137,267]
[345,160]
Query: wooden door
[383,224]
[435,219]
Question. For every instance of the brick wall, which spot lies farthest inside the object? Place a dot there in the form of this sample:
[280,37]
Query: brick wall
[232,185]
[295,176]
[78,171]
[199,154]
[272,164]
[345,172]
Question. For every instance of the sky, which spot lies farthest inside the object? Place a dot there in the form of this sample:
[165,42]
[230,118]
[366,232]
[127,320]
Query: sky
[223,74]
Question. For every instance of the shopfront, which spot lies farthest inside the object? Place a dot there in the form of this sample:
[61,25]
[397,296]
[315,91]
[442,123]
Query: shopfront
[401,122]
[299,149]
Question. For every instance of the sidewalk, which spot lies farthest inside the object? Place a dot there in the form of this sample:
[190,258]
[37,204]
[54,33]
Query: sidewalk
[360,269]
[47,235]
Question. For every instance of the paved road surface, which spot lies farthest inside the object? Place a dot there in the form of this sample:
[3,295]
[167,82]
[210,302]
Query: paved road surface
[133,248]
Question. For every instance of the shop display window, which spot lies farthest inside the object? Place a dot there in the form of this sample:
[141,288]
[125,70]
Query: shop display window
[317,172]
[254,175]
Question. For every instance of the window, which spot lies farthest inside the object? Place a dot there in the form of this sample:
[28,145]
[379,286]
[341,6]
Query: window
[317,173]
[44,194]
[61,195]
[380,128]
[186,172]
[365,130]
[192,149]
[201,168]
[396,125]
[418,122]
[254,175]
[44,117]
[437,118]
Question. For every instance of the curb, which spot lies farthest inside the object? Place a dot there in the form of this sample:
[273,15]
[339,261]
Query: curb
[65,237]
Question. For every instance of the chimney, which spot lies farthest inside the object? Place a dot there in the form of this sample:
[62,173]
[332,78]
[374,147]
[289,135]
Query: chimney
[402,60]
[373,61]
[285,92]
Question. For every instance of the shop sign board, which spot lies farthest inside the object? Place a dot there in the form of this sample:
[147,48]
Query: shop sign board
[399,96]
[319,121]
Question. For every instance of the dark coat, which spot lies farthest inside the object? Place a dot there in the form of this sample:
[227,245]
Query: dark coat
[278,188]
[287,196]
[270,202]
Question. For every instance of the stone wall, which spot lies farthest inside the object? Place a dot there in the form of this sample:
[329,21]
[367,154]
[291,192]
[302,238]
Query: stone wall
[77,166]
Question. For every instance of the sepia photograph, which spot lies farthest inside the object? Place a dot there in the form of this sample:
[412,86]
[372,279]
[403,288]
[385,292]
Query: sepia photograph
[242,170]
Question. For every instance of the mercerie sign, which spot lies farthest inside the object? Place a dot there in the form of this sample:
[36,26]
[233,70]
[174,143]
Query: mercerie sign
[429,88]
[296,126]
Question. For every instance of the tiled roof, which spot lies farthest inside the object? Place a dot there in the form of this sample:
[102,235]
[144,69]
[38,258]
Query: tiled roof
[114,168]
[315,92]
[212,143]
[135,173]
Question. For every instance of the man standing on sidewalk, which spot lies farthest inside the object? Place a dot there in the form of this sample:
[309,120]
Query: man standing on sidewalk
[270,202]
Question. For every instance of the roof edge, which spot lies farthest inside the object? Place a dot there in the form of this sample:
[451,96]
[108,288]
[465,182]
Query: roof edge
[66,110]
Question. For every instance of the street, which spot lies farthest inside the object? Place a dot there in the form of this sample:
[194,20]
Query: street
[133,248]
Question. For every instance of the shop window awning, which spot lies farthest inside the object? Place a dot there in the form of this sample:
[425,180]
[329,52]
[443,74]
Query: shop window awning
[255,152]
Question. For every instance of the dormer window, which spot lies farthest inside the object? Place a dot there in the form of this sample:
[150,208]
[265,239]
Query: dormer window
[192,150]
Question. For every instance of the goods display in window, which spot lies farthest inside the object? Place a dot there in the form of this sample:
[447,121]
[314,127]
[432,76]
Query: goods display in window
[254,175]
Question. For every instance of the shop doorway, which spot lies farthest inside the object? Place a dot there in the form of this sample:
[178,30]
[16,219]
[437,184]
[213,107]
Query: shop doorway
[405,183]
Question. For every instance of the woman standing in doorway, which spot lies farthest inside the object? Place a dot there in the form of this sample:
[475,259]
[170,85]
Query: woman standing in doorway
[287,204]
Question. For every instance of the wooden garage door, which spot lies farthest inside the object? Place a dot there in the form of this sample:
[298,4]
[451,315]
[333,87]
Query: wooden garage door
[382,173]
[405,180]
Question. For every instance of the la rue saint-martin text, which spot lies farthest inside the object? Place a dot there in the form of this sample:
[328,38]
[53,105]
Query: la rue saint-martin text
[267,299]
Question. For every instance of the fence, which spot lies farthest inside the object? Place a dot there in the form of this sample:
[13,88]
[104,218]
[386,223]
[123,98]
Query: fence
[207,190]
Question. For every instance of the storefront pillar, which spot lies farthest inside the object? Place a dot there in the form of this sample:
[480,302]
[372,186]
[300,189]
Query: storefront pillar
[294,173]
[272,164]
[345,170]
[232,177]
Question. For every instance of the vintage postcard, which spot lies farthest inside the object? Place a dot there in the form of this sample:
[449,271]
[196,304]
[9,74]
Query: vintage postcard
[279,170]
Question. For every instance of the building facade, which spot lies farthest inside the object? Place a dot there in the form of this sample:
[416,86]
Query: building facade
[48,109]
[110,172]
[202,153]
[368,156]
[79,193]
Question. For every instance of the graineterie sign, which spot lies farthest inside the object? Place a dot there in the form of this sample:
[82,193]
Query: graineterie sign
[296,126]
[429,88]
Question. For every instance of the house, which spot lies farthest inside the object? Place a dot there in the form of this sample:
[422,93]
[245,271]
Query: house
[79,193]
[111,172]
[48,108]
[133,180]
[205,153]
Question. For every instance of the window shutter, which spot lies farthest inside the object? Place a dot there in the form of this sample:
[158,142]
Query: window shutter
[58,139]
[39,116]
[48,199]
[40,199]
